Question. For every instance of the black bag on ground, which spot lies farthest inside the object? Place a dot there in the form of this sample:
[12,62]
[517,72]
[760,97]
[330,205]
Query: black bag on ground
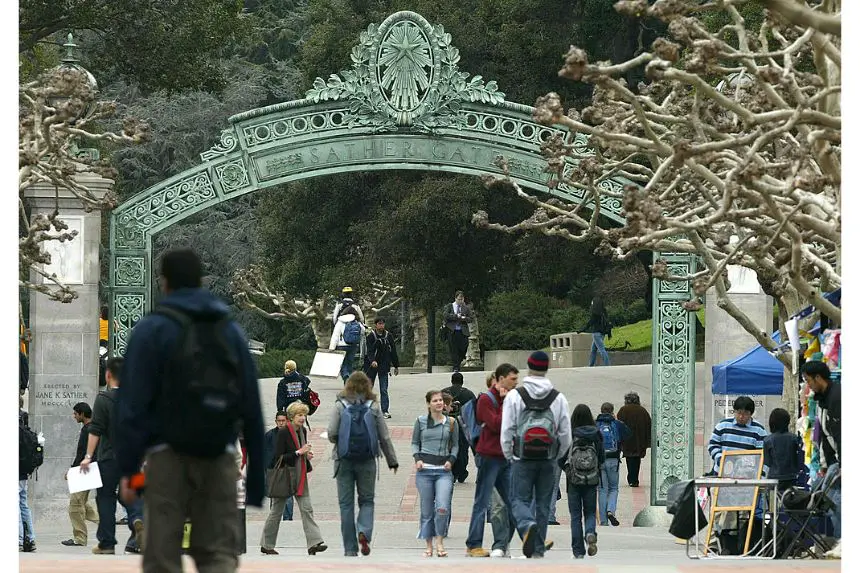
[681,502]
[200,403]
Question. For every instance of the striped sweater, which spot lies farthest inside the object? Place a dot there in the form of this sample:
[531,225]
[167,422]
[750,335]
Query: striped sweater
[729,435]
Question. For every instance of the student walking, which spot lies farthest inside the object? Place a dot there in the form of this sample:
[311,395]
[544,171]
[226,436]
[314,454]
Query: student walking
[583,466]
[80,510]
[637,418]
[348,335]
[435,443]
[380,359]
[613,432]
[358,430]
[600,327]
[293,451]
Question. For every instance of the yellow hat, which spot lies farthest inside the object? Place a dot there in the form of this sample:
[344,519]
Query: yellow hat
[346,290]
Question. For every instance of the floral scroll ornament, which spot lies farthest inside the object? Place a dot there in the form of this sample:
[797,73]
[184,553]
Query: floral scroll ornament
[405,75]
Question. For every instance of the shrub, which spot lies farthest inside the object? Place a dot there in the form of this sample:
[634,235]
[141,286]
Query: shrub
[519,320]
[271,364]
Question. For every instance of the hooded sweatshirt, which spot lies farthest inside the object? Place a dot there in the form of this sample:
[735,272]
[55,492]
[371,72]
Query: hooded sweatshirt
[291,388]
[337,334]
[537,387]
[152,343]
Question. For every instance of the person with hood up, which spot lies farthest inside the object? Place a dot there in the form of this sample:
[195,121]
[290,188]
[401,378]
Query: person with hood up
[637,418]
[582,493]
[348,335]
[180,485]
[613,432]
[535,433]
[292,387]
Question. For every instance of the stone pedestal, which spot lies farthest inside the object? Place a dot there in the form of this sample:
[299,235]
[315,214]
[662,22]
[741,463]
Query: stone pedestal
[726,339]
[64,349]
[569,350]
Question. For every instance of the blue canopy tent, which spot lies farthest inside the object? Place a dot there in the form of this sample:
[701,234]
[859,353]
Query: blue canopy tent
[755,371]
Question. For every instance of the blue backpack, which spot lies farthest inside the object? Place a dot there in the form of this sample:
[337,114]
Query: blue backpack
[469,419]
[357,439]
[610,436]
[352,332]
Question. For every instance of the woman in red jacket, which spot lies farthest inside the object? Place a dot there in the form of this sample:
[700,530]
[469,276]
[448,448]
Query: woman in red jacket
[494,471]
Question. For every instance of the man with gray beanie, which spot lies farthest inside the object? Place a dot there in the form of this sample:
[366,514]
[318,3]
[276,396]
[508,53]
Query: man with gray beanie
[535,435]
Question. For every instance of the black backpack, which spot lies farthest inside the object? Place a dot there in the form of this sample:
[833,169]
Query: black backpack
[30,453]
[200,403]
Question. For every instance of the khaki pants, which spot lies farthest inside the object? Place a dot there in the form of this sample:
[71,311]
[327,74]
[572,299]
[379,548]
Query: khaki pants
[273,521]
[179,486]
[79,513]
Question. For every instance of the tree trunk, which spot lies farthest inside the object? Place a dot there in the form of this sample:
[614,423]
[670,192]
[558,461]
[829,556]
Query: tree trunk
[473,352]
[418,319]
[789,304]
[322,331]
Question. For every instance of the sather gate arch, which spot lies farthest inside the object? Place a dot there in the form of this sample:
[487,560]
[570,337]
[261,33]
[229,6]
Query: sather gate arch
[404,104]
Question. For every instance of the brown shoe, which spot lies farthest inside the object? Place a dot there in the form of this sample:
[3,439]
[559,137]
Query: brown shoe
[97,550]
[265,551]
[477,552]
[138,533]
[318,548]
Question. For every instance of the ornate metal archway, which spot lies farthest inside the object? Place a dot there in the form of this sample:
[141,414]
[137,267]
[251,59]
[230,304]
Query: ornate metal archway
[404,104]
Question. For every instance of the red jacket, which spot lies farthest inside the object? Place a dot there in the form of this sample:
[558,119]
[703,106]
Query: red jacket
[490,442]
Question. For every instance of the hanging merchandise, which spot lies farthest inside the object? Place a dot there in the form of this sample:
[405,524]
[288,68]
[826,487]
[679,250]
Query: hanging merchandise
[830,348]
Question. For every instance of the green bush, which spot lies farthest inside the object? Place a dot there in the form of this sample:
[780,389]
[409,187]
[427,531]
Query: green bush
[629,313]
[524,320]
[271,364]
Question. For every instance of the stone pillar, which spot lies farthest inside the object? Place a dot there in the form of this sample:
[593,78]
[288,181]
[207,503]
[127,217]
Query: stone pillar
[726,339]
[64,349]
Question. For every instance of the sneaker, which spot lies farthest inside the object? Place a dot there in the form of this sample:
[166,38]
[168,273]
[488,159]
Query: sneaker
[553,522]
[265,551]
[612,519]
[548,545]
[493,553]
[29,546]
[72,543]
[132,550]
[387,415]
[138,533]
[591,540]
[480,552]
[318,548]
[364,544]
[529,541]
[99,550]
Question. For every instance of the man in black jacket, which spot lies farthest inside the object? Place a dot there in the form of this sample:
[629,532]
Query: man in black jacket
[270,438]
[100,445]
[828,395]
[380,358]
[80,511]
[457,315]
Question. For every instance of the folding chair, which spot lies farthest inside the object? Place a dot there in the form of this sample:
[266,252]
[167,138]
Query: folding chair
[804,520]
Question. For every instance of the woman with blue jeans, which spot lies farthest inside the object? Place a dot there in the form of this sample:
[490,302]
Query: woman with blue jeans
[582,498]
[435,444]
[599,326]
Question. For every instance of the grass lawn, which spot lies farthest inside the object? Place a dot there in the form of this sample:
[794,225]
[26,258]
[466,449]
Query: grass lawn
[637,334]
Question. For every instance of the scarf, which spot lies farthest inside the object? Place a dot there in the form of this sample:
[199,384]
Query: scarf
[301,464]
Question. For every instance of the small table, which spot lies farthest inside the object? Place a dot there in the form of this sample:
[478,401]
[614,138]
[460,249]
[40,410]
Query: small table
[771,514]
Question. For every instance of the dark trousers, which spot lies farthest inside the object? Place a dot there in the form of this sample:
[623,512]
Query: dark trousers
[459,470]
[106,500]
[633,464]
[458,343]
[180,487]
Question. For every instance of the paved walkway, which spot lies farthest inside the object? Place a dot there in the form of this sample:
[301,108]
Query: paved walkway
[394,544]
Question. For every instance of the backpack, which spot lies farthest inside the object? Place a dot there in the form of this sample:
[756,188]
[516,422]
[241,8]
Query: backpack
[535,437]
[352,332]
[357,439]
[610,437]
[30,452]
[312,401]
[201,397]
[469,419]
[584,465]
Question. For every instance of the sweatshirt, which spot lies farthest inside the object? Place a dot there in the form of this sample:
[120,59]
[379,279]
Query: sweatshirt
[490,415]
[537,387]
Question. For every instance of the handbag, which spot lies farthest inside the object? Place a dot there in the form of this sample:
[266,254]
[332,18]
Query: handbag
[279,480]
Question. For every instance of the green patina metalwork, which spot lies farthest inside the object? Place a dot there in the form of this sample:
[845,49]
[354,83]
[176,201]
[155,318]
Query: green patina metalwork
[404,104]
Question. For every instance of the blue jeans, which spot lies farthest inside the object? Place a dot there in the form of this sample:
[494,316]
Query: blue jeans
[348,361]
[352,476]
[582,503]
[598,346]
[25,519]
[532,480]
[288,509]
[835,495]
[554,501]
[383,386]
[493,473]
[434,488]
[608,499]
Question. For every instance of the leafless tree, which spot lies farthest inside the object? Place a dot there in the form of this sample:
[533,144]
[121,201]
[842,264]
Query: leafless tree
[251,291]
[59,113]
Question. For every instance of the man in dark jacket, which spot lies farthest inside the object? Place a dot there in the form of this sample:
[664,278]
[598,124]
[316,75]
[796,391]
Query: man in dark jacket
[461,396]
[100,445]
[828,396]
[457,315]
[80,511]
[380,358]
[270,438]
[180,486]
